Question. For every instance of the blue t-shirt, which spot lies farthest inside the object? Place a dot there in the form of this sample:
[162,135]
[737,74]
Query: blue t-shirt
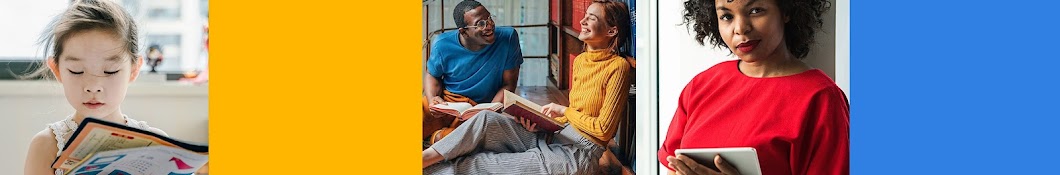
[475,74]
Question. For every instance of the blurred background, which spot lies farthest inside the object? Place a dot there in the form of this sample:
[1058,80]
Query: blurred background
[173,98]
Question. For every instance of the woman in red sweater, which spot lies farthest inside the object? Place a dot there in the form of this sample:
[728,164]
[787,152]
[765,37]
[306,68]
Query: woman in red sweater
[795,116]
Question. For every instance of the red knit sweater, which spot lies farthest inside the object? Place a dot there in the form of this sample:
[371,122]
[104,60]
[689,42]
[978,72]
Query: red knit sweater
[798,124]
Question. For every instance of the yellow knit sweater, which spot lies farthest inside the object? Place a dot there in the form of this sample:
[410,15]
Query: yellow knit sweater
[598,94]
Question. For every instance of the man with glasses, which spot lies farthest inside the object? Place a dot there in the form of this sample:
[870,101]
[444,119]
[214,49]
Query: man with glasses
[474,63]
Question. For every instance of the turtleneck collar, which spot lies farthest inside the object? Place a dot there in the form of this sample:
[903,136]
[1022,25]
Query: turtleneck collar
[597,55]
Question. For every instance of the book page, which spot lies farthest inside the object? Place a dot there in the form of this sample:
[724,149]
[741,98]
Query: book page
[162,160]
[496,107]
[100,138]
[458,106]
[512,98]
[465,110]
[104,140]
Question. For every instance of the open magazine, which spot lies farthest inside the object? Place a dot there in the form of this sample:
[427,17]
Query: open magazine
[101,147]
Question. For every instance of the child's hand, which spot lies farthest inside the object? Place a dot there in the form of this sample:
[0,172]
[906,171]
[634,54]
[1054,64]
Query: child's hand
[530,126]
[553,110]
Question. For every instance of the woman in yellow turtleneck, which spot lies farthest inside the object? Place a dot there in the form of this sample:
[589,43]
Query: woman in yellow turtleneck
[601,81]
[491,143]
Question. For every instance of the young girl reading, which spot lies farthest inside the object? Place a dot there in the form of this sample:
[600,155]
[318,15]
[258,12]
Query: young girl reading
[93,54]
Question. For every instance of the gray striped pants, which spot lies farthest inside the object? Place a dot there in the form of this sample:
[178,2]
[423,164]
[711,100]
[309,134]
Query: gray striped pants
[493,143]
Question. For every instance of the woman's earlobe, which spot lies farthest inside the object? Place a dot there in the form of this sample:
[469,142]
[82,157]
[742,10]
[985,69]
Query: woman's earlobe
[613,32]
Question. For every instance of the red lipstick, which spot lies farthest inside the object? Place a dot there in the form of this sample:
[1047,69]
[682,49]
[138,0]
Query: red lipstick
[747,46]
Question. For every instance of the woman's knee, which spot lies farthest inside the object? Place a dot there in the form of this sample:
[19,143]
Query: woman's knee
[486,115]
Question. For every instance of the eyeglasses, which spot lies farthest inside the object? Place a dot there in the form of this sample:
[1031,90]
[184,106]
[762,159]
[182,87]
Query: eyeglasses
[483,22]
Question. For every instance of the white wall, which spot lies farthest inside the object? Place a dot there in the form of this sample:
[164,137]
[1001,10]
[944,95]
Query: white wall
[842,48]
[179,110]
[23,23]
[680,58]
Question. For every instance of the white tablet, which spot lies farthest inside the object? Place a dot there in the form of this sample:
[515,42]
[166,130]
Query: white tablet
[745,159]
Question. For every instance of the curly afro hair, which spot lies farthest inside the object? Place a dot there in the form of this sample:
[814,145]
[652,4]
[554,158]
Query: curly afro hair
[804,15]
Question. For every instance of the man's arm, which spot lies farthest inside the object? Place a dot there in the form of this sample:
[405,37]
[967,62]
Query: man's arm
[432,89]
[434,73]
[511,78]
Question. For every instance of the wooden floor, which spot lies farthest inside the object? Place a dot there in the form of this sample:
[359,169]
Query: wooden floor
[543,95]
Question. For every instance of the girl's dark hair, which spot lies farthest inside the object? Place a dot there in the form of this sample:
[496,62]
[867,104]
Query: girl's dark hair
[804,21]
[86,15]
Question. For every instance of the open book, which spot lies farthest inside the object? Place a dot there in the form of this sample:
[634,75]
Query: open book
[95,137]
[520,107]
[464,111]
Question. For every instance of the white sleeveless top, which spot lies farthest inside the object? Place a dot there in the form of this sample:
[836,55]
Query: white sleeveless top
[63,128]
